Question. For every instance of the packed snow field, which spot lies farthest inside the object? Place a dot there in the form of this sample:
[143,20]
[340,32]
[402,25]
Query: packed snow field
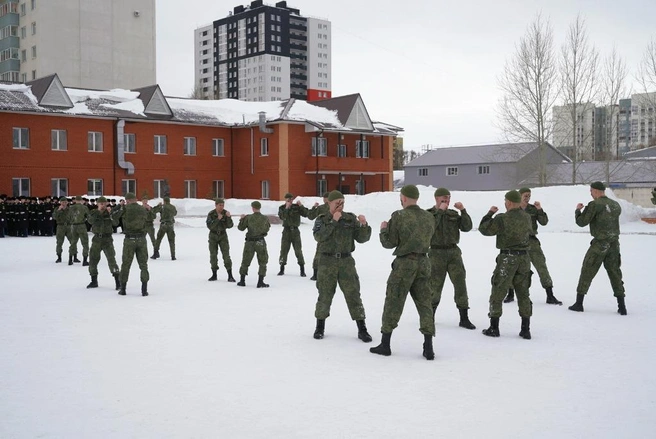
[211,359]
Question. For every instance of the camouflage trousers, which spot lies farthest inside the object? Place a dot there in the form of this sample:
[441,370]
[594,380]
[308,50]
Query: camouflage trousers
[315,261]
[449,261]
[132,246]
[150,231]
[539,262]
[331,272]
[250,249]
[216,241]
[291,237]
[79,232]
[608,253]
[169,231]
[102,243]
[512,271]
[61,233]
[409,274]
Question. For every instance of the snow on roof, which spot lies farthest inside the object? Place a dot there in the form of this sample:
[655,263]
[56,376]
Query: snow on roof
[116,95]
[228,111]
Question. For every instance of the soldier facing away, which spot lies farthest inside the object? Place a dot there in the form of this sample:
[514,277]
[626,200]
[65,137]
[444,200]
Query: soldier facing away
[63,228]
[102,227]
[166,227]
[446,256]
[257,227]
[150,219]
[408,232]
[603,216]
[291,214]
[78,214]
[336,233]
[513,268]
[134,243]
[219,221]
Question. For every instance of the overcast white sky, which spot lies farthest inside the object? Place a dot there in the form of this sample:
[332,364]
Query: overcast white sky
[429,66]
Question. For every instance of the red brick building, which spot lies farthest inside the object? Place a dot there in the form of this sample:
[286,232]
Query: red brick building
[63,141]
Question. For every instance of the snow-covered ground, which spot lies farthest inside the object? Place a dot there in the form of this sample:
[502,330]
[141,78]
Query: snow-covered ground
[210,359]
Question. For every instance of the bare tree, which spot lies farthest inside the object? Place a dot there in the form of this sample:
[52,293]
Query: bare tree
[197,92]
[529,85]
[646,77]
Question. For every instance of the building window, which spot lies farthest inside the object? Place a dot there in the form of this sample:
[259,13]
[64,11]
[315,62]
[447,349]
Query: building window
[23,77]
[265,189]
[190,189]
[33,52]
[34,28]
[189,146]
[21,138]
[360,187]
[264,146]
[21,187]
[217,148]
[319,146]
[58,141]
[95,141]
[362,149]
[128,186]
[33,3]
[23,32]
[130,143]
[33,74]
[218,188]
[341,151]
[322,187]
[422,172]
[24,57]
[160,144]
[161,189]
[452,171]
[484,169]
[59,187]
[23,7]
[94,187]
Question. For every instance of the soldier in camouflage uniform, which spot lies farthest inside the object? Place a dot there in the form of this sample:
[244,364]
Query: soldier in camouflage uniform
[150,218]
[78,214]
[653,196]
[3,215]
[513,269]
[134,228]
[257,227]
[291,214]
[166,227]
[101,225]
[535,253]
[336,233]
[602,214]
[446,256]
[409,232]
[312,215]
[219,221]
[63,228]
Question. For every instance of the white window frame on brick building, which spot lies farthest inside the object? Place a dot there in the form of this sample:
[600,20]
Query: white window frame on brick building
[58,140]
[95,141]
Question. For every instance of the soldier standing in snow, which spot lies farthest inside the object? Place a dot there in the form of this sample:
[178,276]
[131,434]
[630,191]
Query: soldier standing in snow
[134,243]
[101,225]
[257,227]
[219,221]
[291,214]
[313,214]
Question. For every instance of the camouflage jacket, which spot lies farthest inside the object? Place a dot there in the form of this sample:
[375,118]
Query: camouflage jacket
[61,216]
[448,225]
[339,236]
[217,225]
[101,221]
[512,229]
[78,213]
[151,214]
[537,216]
[409,230]
[167,213]
[603,216]
[256,224]
[134,218]
[292,217]
[322,209]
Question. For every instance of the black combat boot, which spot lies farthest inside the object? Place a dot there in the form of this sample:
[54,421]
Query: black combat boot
[314,274]
[578,306]
[510,297]
[318,331]
[464,319]
[213,275]
[121,292]
[144,288]
[493,330]
[362,331]
[230,278]
[172,256]
[155,254]
[429,353]
[85,261]
[551,299]
[242,281]
[302,270]
[282,270]
[384,347]
[58,258]
[260,283]
[525,333]
[75,259]
[117,282]
[70,259]
[621,306]
[94,282]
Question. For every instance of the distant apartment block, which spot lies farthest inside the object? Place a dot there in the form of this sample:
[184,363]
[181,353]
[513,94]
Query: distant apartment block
[97,44]
[263,53]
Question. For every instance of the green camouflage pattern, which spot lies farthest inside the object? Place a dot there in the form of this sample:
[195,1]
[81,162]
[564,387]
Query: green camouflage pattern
[409,232]
[102,227]
[150,223]
[448,225]
[218,238]
[292,217]
[603,216]
[134,243]
[538,216]
[291,236]
[257,227]
[313,214]
[167,229]
[512,229]
[77,215]
[63,228]
[539,261]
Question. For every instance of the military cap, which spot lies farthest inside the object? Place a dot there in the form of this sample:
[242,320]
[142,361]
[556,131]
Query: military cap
[289,195]
[167,199]
[441,191]
[326,194]
[78,198]
[513,196]
[524,190]
[62,199]
[410,191]
[598,185]
[219,201]
[130,196]
[335,195]
[256,204]
[101,200]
